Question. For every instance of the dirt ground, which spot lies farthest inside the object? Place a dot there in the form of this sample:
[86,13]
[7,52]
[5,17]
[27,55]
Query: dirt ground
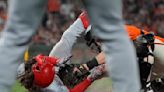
[158,69]
[101,85]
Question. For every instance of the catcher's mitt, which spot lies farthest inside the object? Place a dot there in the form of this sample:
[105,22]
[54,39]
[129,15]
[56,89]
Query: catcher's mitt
[70,77]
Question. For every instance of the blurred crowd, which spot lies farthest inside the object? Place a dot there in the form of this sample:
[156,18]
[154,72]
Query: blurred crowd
[146,14]
[59,16]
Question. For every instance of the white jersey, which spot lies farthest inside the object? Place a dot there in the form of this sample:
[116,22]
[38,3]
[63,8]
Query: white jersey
[63,50]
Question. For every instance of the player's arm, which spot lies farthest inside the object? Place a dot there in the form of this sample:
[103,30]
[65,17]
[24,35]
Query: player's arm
[89,65]
[64,47]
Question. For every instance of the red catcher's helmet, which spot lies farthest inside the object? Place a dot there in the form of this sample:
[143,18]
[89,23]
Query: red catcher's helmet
[43,70]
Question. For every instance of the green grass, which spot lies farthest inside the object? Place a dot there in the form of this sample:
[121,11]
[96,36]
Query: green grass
[101,85]
[18,88]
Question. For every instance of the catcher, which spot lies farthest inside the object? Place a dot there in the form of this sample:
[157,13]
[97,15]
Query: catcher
[54,73]
[147,46]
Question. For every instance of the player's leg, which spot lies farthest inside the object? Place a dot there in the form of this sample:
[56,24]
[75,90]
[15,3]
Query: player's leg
[106,17]
[23,19]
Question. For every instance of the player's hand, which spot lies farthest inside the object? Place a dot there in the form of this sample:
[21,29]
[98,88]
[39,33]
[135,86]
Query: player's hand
[80,69]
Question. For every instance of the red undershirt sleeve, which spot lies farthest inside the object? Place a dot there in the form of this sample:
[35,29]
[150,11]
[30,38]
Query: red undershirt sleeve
[81,87]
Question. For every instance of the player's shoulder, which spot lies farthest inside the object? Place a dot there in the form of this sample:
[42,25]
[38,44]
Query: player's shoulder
[132,31]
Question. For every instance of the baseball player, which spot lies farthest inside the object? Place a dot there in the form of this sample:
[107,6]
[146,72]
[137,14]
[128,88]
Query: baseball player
[134,32]
[38,74]
[147,46]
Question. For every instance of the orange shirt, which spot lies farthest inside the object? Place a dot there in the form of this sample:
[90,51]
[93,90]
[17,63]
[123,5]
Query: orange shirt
[133,32]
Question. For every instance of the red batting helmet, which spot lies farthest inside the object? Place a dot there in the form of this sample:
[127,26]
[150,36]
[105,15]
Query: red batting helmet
[43,70]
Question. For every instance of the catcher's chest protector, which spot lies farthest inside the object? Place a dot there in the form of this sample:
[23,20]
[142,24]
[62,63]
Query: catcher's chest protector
[145,56]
